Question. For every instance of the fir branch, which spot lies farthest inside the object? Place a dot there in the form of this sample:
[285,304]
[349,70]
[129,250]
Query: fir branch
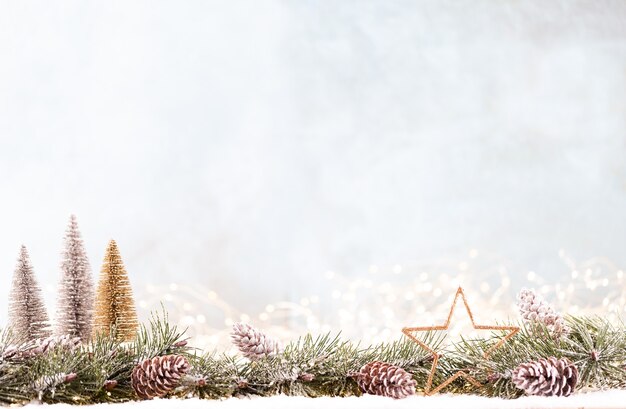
[225,375]
[598,349]
[325,365]
[310,366]
[158,337]
[594,345]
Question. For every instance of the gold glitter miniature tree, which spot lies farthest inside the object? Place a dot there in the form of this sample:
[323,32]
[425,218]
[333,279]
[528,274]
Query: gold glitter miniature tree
[115,311]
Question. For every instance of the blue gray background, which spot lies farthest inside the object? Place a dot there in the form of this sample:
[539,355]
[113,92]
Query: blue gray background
[250,146]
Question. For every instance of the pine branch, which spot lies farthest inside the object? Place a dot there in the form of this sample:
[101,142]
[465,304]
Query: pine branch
[599,351]
[320,366]
[100,371]
[594,345]
[12,373]
[158,338]
[226,375]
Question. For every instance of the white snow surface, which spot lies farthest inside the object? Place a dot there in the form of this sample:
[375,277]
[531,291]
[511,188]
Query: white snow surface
[612,399]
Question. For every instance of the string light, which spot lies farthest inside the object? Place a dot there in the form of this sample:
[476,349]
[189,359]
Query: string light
[383,299]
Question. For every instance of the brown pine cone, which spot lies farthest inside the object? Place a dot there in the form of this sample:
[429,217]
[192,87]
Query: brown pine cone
[158,376]
[546,377]
[383,379]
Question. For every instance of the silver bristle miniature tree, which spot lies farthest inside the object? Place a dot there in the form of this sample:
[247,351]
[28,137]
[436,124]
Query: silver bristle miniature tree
[76,289]
[28,318]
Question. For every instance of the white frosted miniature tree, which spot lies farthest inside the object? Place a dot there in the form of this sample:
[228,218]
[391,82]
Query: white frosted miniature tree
[28,318]
[76,290]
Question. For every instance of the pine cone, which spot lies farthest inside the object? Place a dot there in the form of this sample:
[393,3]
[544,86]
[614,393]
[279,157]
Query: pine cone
[252,343]
[49,383]
[380,378]
[546,377]
[534,309]
[109,385]
[158,376]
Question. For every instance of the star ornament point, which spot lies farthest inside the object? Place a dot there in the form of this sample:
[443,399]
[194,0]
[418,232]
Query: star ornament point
[410,332]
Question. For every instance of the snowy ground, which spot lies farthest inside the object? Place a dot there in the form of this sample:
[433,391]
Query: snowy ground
[596,400]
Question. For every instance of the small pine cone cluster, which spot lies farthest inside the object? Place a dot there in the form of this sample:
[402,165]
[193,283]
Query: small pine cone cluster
[49,383]
[383,379]
[158,376]
[546,377]
[252,343]
[44,345]
[40,346]
[534,309]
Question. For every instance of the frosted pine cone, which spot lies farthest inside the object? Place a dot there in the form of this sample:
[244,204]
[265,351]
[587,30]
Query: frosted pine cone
[252,343]
[534,309]
[158,376]
[546,377]
[49,383]
[383,379]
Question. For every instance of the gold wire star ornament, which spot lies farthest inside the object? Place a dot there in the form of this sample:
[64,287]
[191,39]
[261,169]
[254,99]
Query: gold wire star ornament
[460,374]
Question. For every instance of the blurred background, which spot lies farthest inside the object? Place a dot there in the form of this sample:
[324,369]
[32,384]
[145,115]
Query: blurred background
[319,165]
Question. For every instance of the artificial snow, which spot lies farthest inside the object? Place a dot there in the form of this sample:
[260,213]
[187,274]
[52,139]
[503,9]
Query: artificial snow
[594,400]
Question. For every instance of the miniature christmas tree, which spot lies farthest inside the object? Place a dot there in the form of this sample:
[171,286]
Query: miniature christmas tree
[76,294]
[115,312]
[28,318]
